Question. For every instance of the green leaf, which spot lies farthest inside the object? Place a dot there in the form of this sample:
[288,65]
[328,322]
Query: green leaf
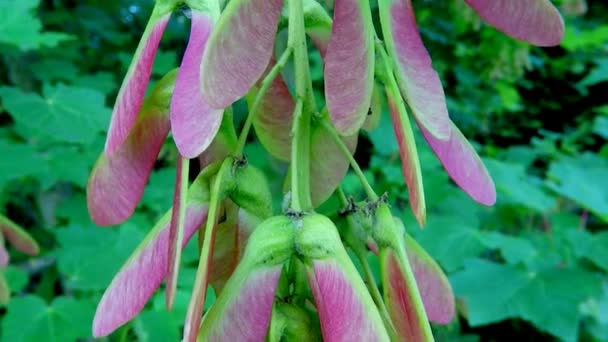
[516,187]
[383,136]
[155,194]
[513,249]
[577,37]
[103,82]
[156,326]
[54,69]
[600,126]
[74,210]
[459,241]
[16,278]
[29,318]
[20,27]
[580,180]
[75,172]
[63,113]
[18,161]
[89,257]
[597,74]
[593,247]
[548,299]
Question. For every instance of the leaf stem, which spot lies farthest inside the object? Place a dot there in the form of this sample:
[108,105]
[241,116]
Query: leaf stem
[259,98]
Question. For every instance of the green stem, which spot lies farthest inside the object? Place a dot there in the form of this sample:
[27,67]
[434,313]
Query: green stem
[199,293]
[300,151]
[123,335]
[259,98]
[297,40]
[305,104]
[353,163]
[373,289]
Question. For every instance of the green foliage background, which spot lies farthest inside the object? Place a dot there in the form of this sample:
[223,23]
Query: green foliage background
[532,268]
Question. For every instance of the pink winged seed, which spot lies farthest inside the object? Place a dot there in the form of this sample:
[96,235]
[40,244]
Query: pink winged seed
[18,237]
[194,123]
[535,21]
[176,228]
[239,50]
[409,166]
[349,66]
[320,41]
[435,289]
[117,181]
[418,81]
[342,315]
[274,119]
[463,165]
[142,274]
[406,319]
[230,242]
[328,165]
[4,258]
[247,316]
[133,89]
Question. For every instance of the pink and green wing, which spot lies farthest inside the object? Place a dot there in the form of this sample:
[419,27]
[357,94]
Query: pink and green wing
[223,145]
[133,89]
[238,50]
[328,165]
[408,319]
[410,164]
[349,65]
[535,21]
[274,119]
[4,257]
[142,273]
[344,308]
[230,241]
[243,310]
[176,229]
[18,237]
[463,165]
[194,123]
[435,289]
[117,181]
[242,313]
[419,82]
[5,291]
[375,110]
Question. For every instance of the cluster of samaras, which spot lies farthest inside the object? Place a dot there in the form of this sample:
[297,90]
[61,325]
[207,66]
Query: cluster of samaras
[289,276]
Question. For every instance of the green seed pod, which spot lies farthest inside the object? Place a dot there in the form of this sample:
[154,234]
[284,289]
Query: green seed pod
[292,323]
[346,309]
[251,191]
[249,294]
